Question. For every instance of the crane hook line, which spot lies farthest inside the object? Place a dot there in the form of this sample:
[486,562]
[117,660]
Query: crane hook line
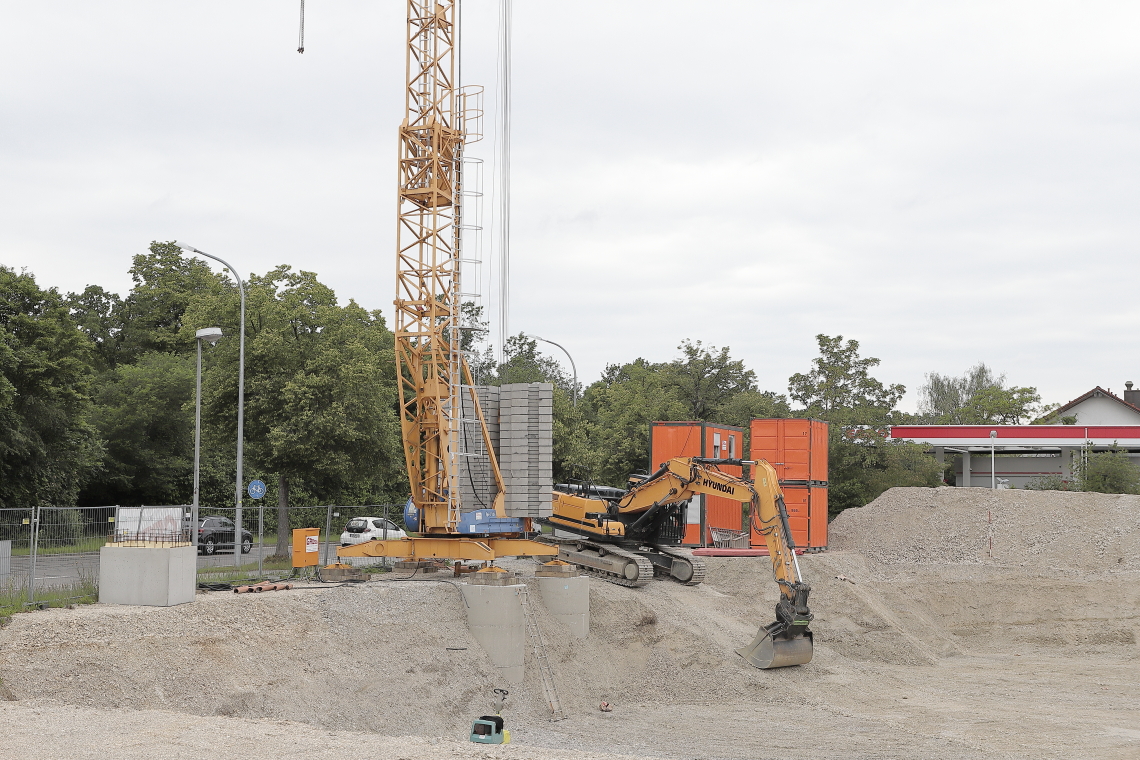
[301,33]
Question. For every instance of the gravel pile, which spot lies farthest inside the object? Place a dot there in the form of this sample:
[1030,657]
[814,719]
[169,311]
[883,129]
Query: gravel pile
[329,656]
[1086,532]
[930,644]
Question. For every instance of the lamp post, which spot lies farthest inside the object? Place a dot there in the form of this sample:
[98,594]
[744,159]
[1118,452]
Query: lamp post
[212,335]
[241,399]
[993,460]
[574,369]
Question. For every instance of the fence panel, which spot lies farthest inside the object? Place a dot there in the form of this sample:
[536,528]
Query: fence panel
[15,549]
[65,552]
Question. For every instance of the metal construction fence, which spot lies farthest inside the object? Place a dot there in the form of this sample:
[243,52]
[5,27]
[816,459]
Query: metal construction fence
[52,552]
[50,555]
[270,545]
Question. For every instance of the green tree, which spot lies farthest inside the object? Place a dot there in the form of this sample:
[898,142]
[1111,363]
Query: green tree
[166,282]
[978,397]
[1109,471]
[839,387]
[320,389]
[145,415]
[620,407]
[707,378]
[861,462]
[900,463]
[99,314]
[524,363]
[47,445]
[1001,406]
[743,407]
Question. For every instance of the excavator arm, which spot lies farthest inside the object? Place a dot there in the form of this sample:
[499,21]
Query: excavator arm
[680,479]
[783,642]
[787,641]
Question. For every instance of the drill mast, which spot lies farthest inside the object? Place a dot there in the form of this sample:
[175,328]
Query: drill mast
[429,362]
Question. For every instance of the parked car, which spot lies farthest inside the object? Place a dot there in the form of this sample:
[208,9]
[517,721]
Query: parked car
[216,533]
[361,529]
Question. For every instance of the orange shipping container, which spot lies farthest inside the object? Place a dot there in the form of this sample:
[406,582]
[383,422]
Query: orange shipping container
[797,448]
[807,516]
[701,439]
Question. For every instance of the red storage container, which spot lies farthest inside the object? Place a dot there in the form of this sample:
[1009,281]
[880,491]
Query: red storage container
[817,525]
[701,439]
[796,448]
[807,517]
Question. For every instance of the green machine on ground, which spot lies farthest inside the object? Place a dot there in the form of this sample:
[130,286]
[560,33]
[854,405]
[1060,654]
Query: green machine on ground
[488,729]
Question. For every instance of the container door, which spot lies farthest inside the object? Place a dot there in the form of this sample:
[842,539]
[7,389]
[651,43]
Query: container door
[817,522]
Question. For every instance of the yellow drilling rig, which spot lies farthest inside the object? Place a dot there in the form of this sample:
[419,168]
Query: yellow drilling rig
[432,372]
[433,376]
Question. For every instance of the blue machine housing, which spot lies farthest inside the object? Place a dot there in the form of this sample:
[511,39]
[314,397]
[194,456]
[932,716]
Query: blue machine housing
[411,516]
[484,521]
[479,522]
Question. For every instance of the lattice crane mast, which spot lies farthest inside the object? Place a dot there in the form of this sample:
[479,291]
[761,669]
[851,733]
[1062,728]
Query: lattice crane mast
[428,360]
[432,372]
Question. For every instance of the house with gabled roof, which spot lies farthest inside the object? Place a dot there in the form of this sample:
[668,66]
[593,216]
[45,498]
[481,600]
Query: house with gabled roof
[1097,407]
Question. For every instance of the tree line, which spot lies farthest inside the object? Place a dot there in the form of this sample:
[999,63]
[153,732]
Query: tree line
[97,396]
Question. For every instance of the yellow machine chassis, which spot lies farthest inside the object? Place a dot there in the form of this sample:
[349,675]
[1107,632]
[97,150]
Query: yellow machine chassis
[475,549]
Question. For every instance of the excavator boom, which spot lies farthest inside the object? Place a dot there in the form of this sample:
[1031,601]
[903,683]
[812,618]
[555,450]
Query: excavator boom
[787,641]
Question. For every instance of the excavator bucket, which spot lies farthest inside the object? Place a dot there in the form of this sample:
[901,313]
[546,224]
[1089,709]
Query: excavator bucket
[766,652]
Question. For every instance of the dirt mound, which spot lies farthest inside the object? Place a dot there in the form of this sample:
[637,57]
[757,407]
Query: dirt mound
[944,526]
[332,657]
[929,644]
[997,570]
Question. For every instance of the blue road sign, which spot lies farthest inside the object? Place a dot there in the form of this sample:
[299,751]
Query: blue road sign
[256,489]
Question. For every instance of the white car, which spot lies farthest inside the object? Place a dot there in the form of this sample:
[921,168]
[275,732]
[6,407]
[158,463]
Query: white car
[361,529]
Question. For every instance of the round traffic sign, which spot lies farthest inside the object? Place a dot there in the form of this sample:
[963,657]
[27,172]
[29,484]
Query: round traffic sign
[256,489]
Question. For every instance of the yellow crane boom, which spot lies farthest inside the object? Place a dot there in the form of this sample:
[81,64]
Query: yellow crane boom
[427,264]
[431,369]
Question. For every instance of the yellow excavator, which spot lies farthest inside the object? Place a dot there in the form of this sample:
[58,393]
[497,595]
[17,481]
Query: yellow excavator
[628,536]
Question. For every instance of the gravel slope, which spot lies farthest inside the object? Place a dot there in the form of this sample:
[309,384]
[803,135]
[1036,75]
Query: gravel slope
[940,647]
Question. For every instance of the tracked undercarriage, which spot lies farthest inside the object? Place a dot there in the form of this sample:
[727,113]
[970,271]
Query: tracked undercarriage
[630,567]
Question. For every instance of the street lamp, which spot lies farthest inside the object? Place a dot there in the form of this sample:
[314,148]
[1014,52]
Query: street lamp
[212,335]
[241,398]
[993,460]
[574,369]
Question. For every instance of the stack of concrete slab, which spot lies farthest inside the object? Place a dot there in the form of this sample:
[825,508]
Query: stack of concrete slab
[476,479]
[526,421]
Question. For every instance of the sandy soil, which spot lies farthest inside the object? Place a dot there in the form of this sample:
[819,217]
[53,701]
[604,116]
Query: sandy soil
[978,624]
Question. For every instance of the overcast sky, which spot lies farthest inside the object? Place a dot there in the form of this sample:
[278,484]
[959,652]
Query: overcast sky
[947,183]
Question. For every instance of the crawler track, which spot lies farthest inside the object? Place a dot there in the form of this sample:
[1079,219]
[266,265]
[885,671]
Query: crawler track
[697,564]
[595,559]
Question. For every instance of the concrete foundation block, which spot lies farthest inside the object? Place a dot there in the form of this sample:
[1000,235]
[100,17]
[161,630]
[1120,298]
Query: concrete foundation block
[568,600]
[147,576]
[495,617]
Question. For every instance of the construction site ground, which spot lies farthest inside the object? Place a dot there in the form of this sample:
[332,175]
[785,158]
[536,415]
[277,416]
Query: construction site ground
[966,623]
